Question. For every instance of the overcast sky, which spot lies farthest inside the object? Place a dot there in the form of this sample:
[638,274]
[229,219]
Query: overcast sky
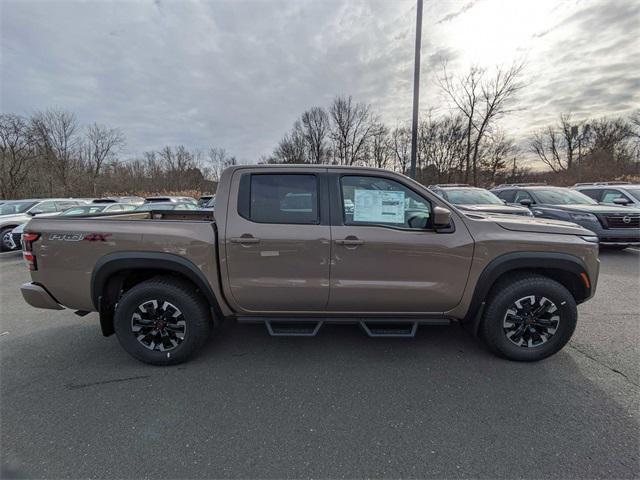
[237,73]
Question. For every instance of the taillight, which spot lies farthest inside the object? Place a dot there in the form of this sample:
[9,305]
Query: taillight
[27,250]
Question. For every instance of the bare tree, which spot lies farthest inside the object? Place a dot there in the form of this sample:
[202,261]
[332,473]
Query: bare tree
[381,153]
[481,100]
[401,147]
[557,145]
[219,159]
[101,143]
[292,147]
[315,129]
[17,152]
[352,124]
[56,139]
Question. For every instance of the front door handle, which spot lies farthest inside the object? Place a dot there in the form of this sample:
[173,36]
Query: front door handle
[350,241]
[245,239]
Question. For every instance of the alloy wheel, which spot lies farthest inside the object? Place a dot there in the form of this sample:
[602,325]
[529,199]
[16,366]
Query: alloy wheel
[158,325]
[531,321]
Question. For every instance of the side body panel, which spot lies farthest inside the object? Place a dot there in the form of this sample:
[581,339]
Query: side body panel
[397,271]
[69,249]
[287,270]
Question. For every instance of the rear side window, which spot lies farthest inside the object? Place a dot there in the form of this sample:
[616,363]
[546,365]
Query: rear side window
[595,194]
[283,198]
[506,195]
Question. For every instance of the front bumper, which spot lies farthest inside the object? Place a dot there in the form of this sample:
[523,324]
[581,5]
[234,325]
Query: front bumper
[613,236]
[36,296]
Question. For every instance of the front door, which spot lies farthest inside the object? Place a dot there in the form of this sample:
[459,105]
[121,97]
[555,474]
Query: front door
[278,241]
[386,256]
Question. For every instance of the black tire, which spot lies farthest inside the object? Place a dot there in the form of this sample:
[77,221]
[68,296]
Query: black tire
[181,297]
[498,323]
[5,247]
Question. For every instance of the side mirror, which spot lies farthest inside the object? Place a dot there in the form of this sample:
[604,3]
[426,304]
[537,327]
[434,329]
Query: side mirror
[620,201]
[441,217]
[33,213]
[526,202]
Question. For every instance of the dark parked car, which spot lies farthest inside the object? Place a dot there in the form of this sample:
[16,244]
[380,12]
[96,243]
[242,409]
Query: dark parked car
[616,227]
[472,199]
[615,193]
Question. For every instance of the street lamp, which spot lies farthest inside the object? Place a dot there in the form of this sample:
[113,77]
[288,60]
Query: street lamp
[416,91]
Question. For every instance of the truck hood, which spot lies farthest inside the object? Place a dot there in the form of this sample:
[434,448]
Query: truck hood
[495,209]
[539,225]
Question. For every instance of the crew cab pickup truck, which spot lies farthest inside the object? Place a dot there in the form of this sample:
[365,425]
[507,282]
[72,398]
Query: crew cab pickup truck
[294,247]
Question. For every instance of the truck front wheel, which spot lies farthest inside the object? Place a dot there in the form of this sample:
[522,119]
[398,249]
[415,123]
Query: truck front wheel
[162,321]
[529,318]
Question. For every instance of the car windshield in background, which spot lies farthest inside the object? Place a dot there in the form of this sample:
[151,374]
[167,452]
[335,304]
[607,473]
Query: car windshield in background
[89,210]
[562,196]
[156,206]
[635,192]
[467,196]
[13,208]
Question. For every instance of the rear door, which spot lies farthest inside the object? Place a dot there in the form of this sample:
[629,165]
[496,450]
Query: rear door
[277,241]
[387,258]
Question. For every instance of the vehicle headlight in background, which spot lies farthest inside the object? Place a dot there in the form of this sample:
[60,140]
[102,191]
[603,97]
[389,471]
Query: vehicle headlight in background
[583,217]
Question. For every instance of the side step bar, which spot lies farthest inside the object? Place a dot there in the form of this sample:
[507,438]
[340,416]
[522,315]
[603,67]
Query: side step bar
[283,328]
[386,329]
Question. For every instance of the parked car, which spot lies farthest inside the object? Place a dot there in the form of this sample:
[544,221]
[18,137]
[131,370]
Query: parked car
[615,193]
[472,199]
[170,200]
[17,212]
[161,282]
[130,200]
[82,210]
[205,200]
[616,227]
[166,206]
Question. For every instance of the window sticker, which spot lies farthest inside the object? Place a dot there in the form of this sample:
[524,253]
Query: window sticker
[377,206]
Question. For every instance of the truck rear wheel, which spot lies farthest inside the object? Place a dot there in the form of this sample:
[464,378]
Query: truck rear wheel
[529,318]
[162,321]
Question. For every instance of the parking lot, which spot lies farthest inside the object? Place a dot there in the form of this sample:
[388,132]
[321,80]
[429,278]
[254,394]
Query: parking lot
[74,404]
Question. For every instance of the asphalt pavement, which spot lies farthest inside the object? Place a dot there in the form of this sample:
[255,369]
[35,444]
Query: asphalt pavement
[340,405]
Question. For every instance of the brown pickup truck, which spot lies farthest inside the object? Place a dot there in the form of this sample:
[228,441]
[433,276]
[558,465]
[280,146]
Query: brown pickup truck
[294,247]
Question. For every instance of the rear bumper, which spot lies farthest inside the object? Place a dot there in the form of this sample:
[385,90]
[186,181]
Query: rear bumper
[36,296]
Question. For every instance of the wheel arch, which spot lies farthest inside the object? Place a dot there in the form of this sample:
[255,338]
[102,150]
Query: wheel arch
[566,269]
[120,271]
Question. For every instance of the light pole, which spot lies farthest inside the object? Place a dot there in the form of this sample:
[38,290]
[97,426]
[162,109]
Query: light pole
[416,91]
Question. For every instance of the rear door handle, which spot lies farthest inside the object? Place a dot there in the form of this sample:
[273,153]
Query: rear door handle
[245,240]
[350,241]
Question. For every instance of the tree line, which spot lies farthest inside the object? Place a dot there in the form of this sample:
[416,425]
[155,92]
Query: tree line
[467,143]
[50,154]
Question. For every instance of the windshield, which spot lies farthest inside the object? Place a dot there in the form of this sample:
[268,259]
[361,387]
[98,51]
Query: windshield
[634,192]
[468,196]
[90,210]
[563,196]
[12,208]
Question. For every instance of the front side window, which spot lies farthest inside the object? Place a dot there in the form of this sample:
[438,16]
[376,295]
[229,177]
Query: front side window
[378,201]
[284,198]
[592,193]
[522,195]
[610,195]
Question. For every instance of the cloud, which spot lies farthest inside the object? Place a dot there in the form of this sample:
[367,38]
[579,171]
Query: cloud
[457,13]
[237,74]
